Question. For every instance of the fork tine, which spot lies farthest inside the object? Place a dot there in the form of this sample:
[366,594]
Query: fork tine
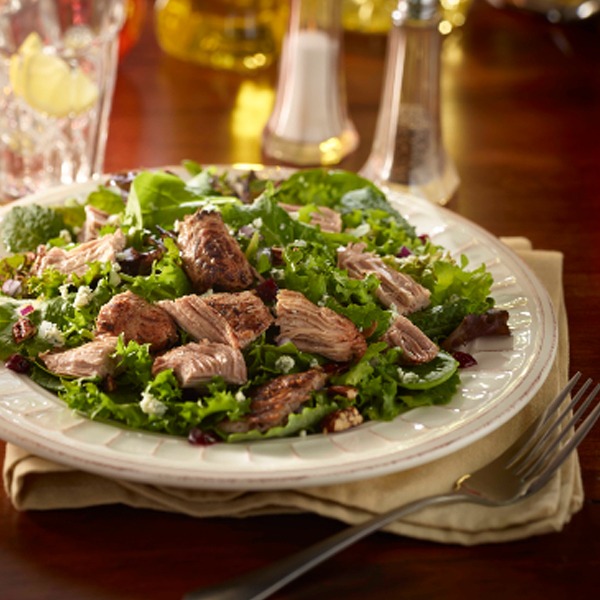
[540,428]
[569,447]
[533,463]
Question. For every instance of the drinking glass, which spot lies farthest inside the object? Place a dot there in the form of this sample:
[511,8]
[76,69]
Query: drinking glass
[58,65]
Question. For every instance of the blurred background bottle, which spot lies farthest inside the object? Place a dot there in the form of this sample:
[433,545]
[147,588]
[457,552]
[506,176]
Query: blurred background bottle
[239,35]
[375,16]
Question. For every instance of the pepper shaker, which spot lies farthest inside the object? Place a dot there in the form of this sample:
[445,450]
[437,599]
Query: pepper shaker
[309,124]
[408,151]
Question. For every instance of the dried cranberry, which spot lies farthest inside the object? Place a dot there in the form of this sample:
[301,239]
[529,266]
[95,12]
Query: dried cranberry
[18,363]
[424,238]
[267,290]
[197,437]
[464,359]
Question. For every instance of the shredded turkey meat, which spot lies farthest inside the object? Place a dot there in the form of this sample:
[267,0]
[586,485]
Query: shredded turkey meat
[323,217]
[138,320]
[196,363]
[93,359]
[211,257]
[273,402]
[416,347]
[76,260]
[236,319]
[396,289]
[316,329]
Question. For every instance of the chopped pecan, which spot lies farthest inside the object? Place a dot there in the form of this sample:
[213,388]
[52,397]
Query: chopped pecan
[23,329]
[342,419]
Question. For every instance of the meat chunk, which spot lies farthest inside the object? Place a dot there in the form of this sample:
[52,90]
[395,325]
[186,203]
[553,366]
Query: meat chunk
[273,402]
[236,319]
[396,289]
[93,359]
[195,364]
[199,320]
[325,218]
[211,257]
[95,219]
[245,312]
[76,260]
[315,329]
[416,347]
[138,320]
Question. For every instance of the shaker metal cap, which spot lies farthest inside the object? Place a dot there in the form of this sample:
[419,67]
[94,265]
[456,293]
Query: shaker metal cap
[415,10]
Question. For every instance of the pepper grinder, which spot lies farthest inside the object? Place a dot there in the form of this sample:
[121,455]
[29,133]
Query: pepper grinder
[408,153]
[309,124]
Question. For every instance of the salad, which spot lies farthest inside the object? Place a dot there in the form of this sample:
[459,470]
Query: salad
[227,306]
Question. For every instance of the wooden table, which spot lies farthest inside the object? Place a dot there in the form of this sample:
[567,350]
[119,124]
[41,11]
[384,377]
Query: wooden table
[521,111]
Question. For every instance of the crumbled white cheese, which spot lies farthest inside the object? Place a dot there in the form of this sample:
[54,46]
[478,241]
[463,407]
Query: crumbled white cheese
[257,223]
[64,291]
[300,243]
[50,333]
[407,376]
[83,296]
[285,363]
[151,405]
[240,396]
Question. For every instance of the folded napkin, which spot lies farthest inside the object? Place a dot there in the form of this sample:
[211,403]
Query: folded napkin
[33,483]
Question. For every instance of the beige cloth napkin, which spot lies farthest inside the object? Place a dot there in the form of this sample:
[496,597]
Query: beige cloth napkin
[33,483]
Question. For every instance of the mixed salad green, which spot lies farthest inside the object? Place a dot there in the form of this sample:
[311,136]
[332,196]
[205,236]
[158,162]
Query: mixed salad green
[284,249]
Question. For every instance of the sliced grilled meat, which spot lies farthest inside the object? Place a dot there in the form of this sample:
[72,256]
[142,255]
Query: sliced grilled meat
[323,217]
[195,364]
[89,360]
[396,289]
[274,401]
[316,329]
[236,319]
[138,320]
[416,347]
[76,260]
[211,257]
[245,312]
[95,219]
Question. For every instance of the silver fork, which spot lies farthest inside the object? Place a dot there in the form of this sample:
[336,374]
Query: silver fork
[525,468]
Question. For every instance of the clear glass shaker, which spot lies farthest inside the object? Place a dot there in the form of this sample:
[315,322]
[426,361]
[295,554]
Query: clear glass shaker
[408,151]
[309,124]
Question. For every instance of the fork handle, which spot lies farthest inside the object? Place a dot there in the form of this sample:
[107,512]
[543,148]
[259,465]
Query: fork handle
[261,583]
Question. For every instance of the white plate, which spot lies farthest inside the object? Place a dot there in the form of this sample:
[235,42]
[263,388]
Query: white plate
[509,372]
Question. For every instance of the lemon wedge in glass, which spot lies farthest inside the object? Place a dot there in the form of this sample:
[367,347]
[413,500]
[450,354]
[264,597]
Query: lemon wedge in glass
[47,83]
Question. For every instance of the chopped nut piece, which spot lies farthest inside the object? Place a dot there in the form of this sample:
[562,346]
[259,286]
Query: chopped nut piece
[342,419]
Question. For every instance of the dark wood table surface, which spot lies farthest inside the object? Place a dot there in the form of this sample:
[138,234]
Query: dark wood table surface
[521,110]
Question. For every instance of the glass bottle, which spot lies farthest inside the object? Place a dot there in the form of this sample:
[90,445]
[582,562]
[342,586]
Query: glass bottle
[237,35]
[309,124]
[408,151]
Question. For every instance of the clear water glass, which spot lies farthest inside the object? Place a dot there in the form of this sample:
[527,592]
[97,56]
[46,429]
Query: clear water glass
[58,66]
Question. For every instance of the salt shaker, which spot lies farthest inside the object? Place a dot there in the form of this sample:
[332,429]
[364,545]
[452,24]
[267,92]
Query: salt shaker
[309,124]
[408,151]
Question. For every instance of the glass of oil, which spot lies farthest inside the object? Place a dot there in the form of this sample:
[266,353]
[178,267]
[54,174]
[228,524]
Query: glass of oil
[237,35]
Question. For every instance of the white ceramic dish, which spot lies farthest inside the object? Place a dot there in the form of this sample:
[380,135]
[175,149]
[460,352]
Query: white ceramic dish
[509,372]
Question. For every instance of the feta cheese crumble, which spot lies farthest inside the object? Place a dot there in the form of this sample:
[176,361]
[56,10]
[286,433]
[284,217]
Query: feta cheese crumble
[50,333]
[83,296]
[285,363]
[151,405]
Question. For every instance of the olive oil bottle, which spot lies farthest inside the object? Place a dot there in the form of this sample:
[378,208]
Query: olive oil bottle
[238,35]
